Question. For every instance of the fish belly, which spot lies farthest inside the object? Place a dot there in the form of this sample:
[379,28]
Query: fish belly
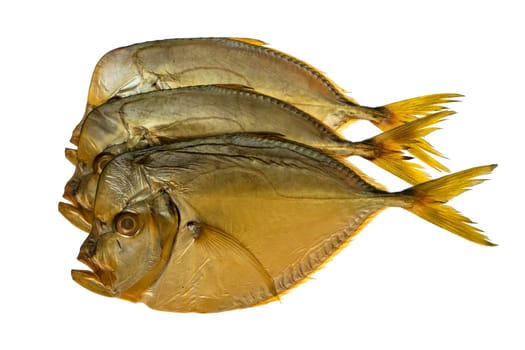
[264,232]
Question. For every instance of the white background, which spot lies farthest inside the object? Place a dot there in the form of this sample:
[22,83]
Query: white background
[402,284]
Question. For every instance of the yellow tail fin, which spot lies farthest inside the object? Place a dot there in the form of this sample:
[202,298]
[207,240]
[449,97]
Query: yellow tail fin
[400,112]
[429,198]
[408,137]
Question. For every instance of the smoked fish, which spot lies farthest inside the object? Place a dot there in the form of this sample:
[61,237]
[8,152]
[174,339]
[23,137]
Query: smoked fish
[230,221]
[152,118]
[172,63]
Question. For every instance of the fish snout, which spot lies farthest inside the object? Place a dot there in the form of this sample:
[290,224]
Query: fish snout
[92,254]
[71,190]
[87,250]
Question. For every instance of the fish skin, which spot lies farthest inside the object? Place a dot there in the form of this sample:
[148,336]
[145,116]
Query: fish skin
[198,110]
[152,118]
[166,64]
[232,221]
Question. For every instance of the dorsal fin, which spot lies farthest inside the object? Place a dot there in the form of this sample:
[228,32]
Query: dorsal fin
[239,87]
[250,41]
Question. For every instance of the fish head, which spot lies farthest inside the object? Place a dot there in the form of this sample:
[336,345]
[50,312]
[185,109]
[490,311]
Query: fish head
[103,136]
[131,235]
[115,74]
[80,190]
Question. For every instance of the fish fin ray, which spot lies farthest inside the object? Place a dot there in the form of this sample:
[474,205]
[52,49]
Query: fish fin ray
[319,256]
[342,94]
[405,170]
[400,112]
[237,87]
[255,42]
[366,178]
[429,199]
[408,137]
[218,241]
[221,273]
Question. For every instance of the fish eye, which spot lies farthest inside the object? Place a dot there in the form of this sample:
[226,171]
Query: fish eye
[101,161]
[127,224]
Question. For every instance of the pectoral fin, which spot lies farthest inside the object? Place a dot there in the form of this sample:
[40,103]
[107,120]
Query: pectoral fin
[211,271]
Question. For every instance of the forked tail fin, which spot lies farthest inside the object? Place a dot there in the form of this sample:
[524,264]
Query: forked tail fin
[401,112]
[408,137]
[429,198]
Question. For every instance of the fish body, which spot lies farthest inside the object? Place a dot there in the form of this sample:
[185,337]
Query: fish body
[231,221]
[198,111]
[152,118]
[167,64]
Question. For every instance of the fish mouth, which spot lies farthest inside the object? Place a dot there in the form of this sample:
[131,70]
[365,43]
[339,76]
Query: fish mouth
[76,211]
[98,279]
[92,282]
[78,216]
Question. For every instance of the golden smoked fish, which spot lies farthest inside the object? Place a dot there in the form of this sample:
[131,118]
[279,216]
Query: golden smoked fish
[231,221]
[147,119]
[166,64]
